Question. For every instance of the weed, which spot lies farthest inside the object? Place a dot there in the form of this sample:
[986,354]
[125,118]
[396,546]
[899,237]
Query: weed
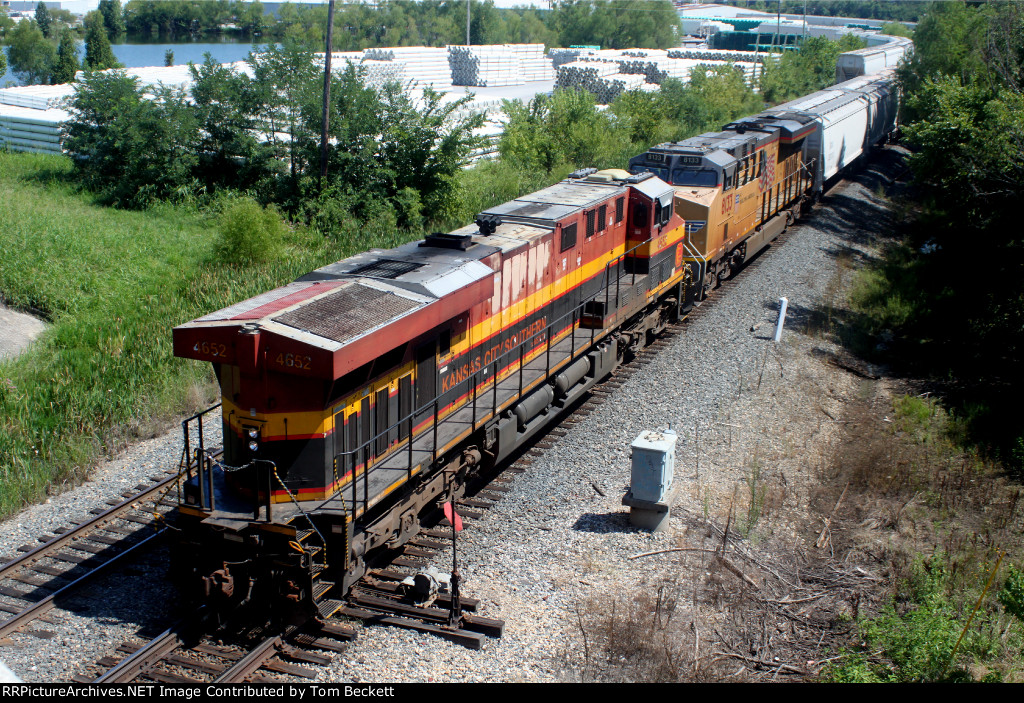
[249,233]
[915,636]
[757,492]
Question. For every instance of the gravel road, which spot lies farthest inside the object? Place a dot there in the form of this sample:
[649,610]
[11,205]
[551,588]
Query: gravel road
[553,542]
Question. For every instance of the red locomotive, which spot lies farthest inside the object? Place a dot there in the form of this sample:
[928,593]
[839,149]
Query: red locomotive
[356,396]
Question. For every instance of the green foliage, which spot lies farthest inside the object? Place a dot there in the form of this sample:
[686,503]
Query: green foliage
[43,18]
[249,233]
[113,19]
[567,128]
[6,24]
[98,54]
[948,313]
[386,154]
[169,57]
[897,29]
[112,283]
[3,61]
[31,56]
[914,637]
[228,153]
[564,128]
[67,59]
[812,68]
[616,24]
[1011,595]
[712,98]
[140,150]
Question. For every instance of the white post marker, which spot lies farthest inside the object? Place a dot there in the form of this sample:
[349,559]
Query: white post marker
[783,304]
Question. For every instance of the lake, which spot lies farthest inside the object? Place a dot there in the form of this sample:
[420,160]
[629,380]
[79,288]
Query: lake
[134,55]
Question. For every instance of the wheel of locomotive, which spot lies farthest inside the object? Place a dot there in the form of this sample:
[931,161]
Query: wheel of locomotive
[724,271]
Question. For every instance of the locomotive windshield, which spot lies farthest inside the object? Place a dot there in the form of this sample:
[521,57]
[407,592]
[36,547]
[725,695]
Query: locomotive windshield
[694,177]
[661,173]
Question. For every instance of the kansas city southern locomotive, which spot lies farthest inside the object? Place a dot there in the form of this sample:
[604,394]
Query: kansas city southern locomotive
[362,393]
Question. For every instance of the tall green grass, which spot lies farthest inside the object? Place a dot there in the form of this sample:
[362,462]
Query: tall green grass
[112,284]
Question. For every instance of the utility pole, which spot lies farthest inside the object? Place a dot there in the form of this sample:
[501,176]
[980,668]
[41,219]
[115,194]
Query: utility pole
[803,29]
[327,95]
[467,22]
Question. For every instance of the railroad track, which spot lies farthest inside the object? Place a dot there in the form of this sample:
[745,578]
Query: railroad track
[379,597]
[72,557]
[193,652]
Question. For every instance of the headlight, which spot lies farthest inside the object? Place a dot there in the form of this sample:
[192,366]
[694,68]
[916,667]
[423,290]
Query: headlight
[253,446]
[253,433]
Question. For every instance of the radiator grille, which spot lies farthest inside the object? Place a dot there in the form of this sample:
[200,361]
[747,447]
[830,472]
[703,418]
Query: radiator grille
[348,313]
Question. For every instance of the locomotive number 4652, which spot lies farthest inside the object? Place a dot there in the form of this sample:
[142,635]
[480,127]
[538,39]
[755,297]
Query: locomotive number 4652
[211,349]
[297,361]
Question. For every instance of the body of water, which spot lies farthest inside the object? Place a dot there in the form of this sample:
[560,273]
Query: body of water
[134,55]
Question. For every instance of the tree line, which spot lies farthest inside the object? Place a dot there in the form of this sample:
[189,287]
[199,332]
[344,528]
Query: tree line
[609,23]
[950,291]
[45,49]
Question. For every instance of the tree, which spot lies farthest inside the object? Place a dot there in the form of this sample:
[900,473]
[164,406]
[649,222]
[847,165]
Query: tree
[31,56]
[564,128]
[98,54]
[113,19]
[43,18]
[227,107]
[169,57]
[138,150]
[67,59]
[616,24]
[3,63]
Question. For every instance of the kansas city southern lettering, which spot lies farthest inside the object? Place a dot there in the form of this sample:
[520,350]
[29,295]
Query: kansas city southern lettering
[526,335]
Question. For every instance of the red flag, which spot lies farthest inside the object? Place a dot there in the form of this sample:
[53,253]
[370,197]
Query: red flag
[453,517]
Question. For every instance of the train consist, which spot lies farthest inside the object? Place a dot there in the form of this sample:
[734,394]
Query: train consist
[360,395]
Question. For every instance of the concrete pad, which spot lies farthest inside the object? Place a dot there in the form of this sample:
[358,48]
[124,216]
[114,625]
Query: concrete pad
[17,331]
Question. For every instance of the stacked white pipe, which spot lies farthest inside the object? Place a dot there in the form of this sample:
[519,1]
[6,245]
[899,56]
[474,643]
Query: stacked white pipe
[375,73]
[583,74]
[722,55]
[424,66]
[498,64]
[31,117]
[28,129]
[607,88]
[657,69]
[562,56]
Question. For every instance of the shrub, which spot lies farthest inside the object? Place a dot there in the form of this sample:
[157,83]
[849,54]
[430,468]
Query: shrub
[249,233]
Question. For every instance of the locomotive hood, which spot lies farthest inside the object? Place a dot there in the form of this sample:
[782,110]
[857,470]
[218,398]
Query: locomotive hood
[336,318]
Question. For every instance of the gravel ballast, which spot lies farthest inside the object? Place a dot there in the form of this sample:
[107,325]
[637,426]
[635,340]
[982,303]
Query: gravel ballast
[554,542]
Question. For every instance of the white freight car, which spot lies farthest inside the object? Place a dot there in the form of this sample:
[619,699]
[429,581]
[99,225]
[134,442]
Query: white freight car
[873,59]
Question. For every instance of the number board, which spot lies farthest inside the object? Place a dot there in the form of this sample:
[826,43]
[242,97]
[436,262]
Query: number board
[690,160]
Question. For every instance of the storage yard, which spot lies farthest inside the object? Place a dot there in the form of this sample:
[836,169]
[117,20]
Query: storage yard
[31,116]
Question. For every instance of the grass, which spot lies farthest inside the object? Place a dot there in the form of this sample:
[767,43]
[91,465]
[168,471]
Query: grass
[950,521]
[112,284]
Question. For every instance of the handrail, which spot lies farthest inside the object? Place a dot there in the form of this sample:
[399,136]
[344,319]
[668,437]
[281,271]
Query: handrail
[364,453]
